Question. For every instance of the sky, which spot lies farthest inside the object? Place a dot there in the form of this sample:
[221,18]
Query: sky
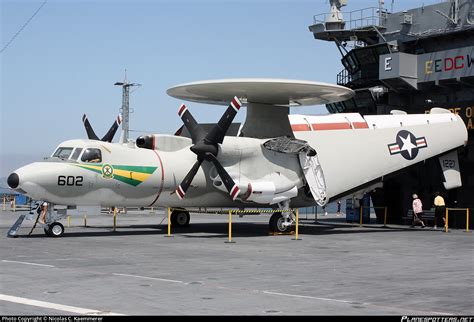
[65,61]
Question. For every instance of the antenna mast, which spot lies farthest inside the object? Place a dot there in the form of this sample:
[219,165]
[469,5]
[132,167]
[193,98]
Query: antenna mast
[125,110]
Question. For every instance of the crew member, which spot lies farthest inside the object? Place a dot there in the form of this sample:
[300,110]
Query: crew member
[440,210]
[44,210]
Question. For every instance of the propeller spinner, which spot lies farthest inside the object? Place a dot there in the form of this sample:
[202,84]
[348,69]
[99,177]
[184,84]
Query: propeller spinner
[205,146]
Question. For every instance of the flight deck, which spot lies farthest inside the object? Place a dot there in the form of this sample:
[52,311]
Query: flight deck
[337,268]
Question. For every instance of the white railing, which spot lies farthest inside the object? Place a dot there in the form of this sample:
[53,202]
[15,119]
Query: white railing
[357,19]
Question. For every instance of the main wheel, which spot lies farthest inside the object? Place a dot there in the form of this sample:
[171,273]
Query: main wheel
[56,229]
[180,218]
[277,223]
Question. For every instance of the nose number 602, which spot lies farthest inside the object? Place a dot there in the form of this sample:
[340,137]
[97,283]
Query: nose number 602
[70,180]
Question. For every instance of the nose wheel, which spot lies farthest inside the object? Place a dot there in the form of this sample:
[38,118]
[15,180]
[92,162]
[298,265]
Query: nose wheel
[54,229]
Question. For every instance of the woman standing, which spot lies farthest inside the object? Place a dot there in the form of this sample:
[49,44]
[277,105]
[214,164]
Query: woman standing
[417,211]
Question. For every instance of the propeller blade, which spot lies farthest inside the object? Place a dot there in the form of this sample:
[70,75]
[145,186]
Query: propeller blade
[90,132]
[216,135]
[183,187]
[230,185]
[193,127]
[109,136]
[179,131]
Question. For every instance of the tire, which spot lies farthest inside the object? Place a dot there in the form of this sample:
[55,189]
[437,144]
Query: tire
[180,218]
[46,231]
[56,229]
[276,223]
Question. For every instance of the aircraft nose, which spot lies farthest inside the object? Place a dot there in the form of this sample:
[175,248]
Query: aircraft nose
[13,180]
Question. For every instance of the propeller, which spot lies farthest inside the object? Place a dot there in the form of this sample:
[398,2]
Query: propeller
[205,146]
[108,137]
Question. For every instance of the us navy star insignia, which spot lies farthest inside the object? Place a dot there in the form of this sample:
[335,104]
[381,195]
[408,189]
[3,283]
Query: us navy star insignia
[407,145]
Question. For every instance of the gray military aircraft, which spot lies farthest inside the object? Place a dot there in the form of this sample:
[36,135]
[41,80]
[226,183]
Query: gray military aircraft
[277,161]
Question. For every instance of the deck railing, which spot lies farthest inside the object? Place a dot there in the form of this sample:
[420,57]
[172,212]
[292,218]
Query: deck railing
[358,19]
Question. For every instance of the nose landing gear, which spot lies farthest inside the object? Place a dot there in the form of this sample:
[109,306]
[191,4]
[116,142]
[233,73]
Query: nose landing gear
[55,229]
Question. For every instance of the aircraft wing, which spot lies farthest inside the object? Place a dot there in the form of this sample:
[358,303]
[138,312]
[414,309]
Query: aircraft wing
[352,156]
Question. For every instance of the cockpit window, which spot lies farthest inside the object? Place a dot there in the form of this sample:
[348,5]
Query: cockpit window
[76,153]
[92,155]
[62,153]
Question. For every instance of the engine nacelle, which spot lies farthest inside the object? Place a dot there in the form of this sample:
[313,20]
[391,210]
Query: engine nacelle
[146,142]
[265,193]
[163,142]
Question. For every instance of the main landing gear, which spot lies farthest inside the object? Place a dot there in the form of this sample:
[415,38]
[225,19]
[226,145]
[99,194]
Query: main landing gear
[180,218]
[281,222]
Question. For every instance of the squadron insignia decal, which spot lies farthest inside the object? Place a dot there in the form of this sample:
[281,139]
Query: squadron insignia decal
[107,171]
[407,145]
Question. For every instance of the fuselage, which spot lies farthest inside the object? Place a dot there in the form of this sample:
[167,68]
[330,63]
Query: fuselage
[352,150]
[126,175]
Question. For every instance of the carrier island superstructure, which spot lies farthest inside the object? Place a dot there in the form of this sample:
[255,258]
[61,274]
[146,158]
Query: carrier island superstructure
[408,61]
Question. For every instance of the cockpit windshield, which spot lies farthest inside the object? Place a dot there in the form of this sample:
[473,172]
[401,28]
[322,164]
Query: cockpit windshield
[76,153]
[62,153]
[92,155]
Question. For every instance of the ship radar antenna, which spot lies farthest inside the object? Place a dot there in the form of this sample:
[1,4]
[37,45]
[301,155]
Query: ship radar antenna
[334,20]
[125,110]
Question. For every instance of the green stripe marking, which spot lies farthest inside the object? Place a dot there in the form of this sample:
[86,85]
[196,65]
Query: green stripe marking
[132,182]
[129,181]
[142,169]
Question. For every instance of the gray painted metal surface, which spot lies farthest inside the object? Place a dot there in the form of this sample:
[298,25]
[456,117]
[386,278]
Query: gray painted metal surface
[411,61]
[336,269]
[435,66]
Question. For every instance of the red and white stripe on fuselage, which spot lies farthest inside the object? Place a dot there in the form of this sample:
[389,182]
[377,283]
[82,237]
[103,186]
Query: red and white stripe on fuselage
[421,143]
[342,121]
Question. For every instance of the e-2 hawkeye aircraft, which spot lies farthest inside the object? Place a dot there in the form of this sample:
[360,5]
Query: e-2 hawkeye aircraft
[277,161]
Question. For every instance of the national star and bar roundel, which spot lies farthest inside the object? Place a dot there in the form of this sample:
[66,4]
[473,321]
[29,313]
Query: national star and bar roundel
[407,144]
